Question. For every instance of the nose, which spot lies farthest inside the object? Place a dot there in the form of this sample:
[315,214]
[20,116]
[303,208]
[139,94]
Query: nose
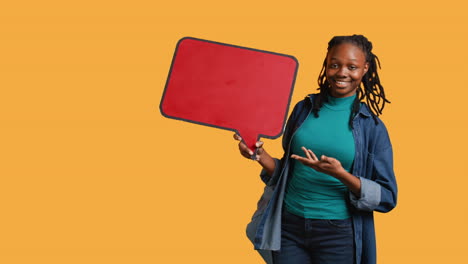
[342,72]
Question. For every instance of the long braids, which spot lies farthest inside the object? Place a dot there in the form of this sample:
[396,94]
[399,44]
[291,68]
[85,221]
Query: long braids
[369,88]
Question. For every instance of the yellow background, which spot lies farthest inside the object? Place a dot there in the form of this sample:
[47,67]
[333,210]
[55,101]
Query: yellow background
[91,172]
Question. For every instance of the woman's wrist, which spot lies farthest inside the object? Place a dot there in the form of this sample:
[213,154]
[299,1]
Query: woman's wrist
[342,174]
[352,182]
[267,162]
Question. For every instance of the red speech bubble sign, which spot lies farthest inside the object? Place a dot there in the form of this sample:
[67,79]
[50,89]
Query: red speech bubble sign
[230,87]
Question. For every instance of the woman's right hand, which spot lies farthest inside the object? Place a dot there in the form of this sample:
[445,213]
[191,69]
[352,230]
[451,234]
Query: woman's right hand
[267,162]
[246,152]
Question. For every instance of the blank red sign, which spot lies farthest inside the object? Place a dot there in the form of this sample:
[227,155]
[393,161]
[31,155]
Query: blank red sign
[230,87]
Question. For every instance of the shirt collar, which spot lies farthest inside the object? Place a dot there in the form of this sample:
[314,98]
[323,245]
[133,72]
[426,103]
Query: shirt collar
[363,110]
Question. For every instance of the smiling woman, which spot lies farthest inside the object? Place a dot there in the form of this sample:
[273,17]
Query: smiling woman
[337,167]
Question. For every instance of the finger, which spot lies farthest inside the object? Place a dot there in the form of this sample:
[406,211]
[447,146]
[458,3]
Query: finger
[312,154]
[296,157]
[260,149]
[246,155]
[246,149]
[237,137]
[259,144]
[299,158]
[307,153]
[247,152]
[326,159]
[305,161]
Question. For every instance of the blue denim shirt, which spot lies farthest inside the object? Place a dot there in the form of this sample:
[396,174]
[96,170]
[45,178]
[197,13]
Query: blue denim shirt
[373,165]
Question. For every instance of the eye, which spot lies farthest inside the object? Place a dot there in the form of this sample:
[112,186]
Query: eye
[333,66]
[352,67]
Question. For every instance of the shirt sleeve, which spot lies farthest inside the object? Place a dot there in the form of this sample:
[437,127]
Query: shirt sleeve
[273,179]
[379,191]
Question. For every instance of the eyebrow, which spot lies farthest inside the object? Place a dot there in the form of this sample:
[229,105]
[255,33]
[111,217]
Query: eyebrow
[333,58]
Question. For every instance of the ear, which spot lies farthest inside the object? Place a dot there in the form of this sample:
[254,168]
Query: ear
[366,67]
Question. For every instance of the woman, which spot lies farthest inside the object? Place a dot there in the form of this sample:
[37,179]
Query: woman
[337,167]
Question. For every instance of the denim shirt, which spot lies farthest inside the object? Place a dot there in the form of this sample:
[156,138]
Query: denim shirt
[373,165]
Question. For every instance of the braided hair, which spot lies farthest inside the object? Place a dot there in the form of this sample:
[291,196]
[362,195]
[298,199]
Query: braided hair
[369,88]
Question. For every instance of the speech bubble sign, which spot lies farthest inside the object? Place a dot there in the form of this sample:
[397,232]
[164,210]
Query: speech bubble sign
[230,87]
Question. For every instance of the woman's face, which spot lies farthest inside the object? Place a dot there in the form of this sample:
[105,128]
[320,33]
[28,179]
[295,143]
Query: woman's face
[346,65]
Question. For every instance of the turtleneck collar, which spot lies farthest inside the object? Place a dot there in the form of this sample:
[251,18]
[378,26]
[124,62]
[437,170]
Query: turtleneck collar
[343,103]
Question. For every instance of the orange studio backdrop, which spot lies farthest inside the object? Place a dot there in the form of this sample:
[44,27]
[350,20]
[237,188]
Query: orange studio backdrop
[91,172]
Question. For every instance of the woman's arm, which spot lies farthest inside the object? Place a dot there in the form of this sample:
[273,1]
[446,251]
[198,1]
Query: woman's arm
[376,190]
[352,182]
[332,167]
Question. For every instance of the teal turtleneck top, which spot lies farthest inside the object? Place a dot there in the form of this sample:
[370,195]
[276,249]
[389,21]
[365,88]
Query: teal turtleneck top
[312,194]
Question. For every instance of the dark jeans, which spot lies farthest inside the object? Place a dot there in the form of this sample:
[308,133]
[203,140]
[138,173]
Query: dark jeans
[307,241]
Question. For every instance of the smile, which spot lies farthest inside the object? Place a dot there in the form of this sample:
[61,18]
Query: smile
[341,83]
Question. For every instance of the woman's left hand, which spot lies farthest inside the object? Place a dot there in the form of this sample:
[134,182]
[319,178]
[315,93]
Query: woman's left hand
[327,165]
